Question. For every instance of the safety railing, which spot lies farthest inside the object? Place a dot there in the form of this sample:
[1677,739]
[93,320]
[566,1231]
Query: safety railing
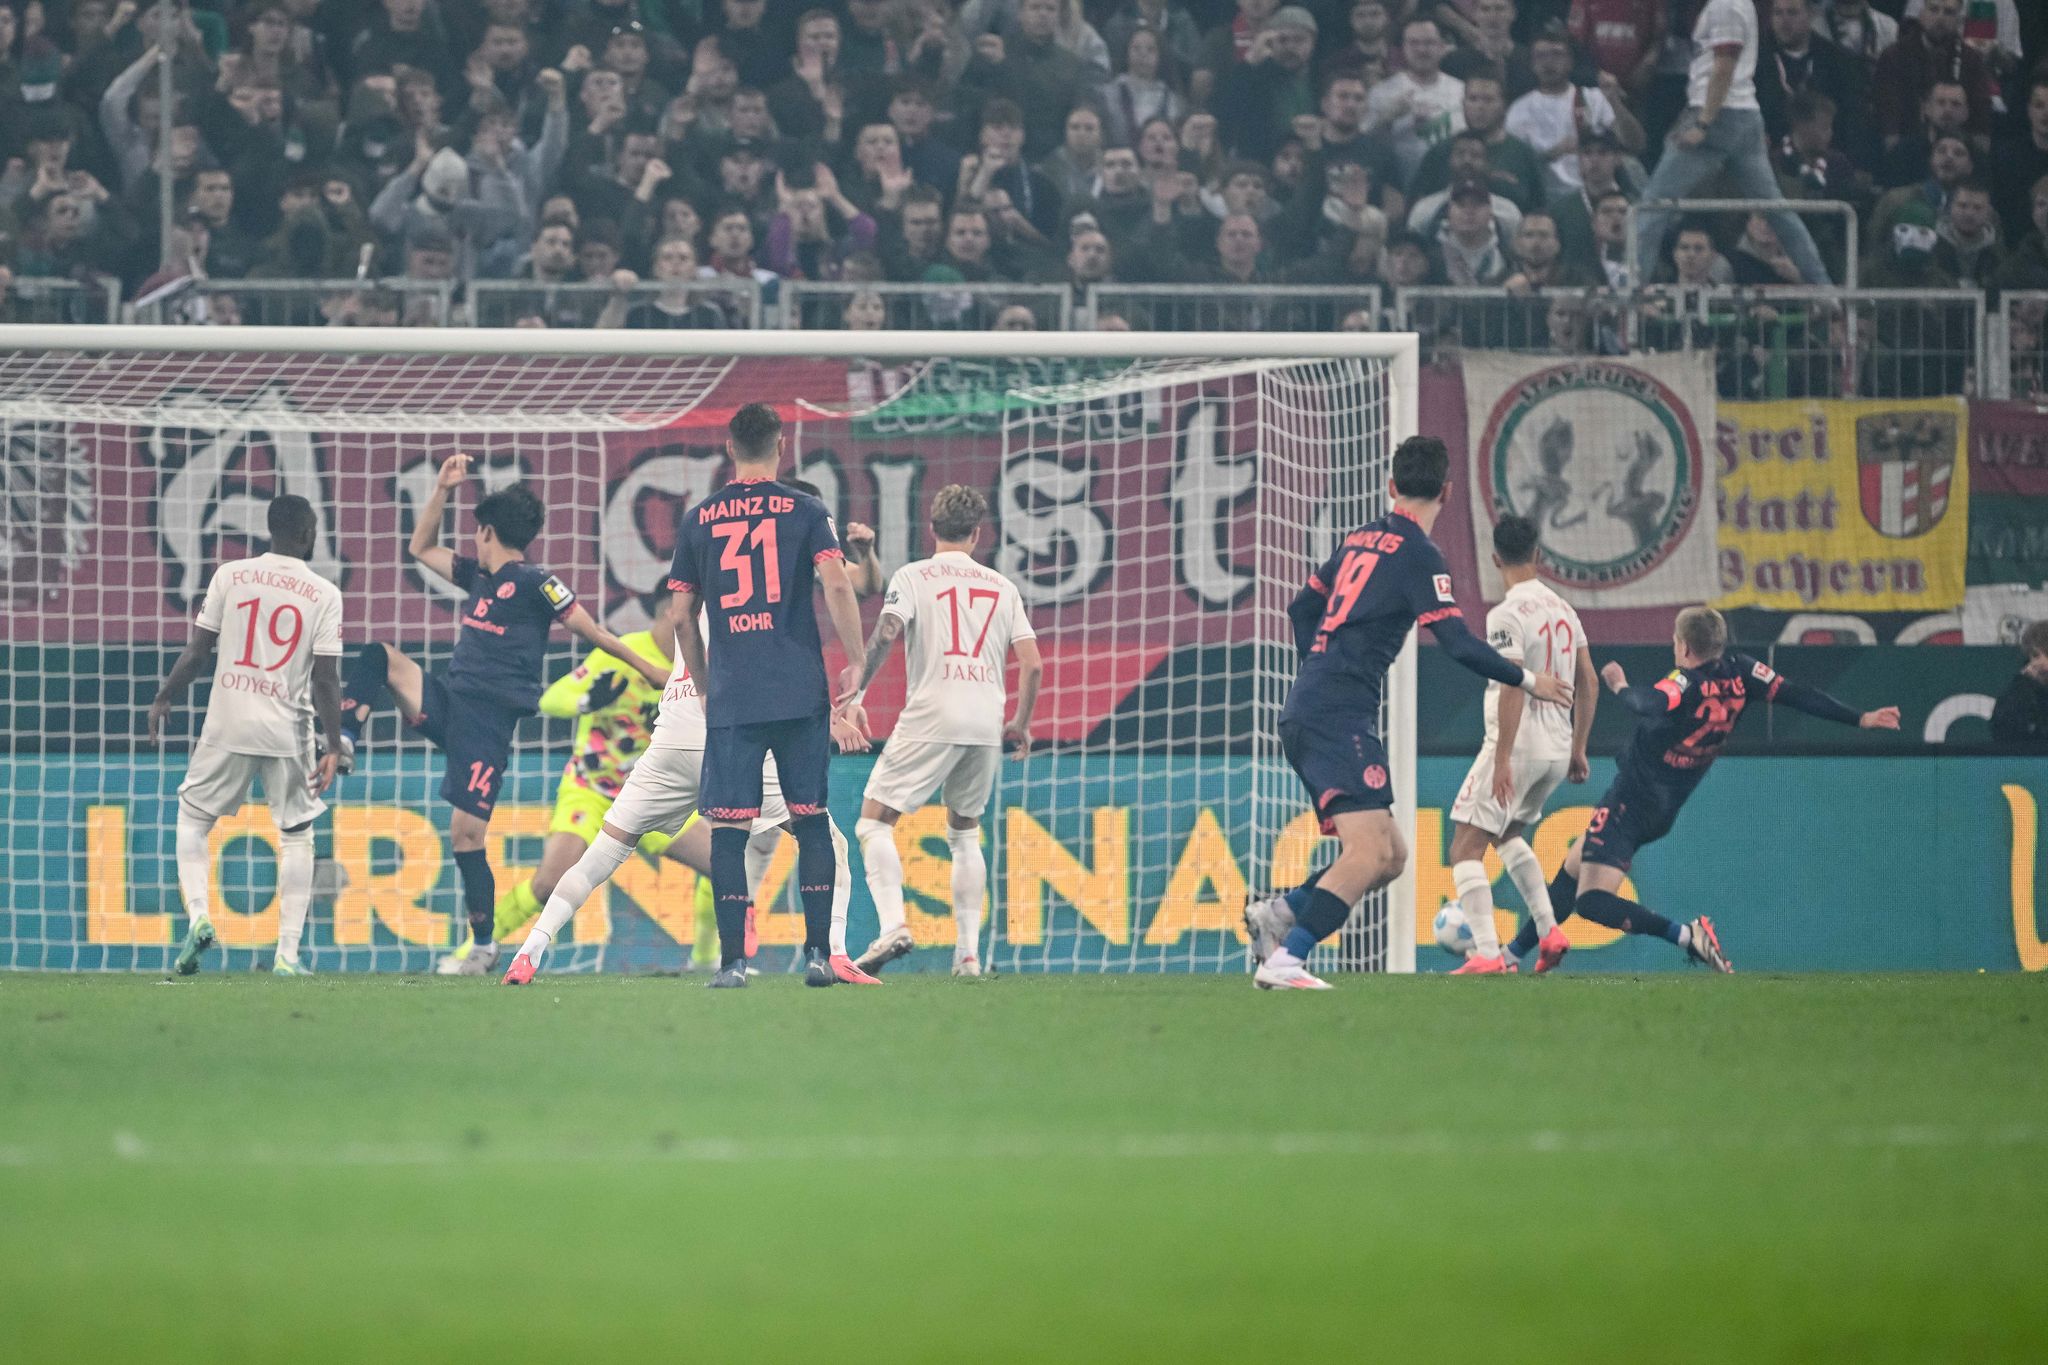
[2016,359]
[1836,241]
[963,306]
[1236,308]
[42,298]
[720,301]
[302,303]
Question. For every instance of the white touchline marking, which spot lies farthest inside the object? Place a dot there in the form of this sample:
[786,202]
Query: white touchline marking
[670,1149]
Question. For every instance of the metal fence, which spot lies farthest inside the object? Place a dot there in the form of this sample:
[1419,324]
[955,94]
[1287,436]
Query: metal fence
[965,306]
[713,302]
[1766,343]
[302,303]
[2017,350]
[1236,308]
[41,299]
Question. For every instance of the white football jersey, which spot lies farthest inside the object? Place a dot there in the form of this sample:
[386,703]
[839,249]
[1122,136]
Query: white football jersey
[959,620]
[680,724]
[1539,630]
[274,616]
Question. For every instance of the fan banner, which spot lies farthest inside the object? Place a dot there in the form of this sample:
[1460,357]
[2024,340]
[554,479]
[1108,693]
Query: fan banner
[2008,489]
[1609,459]
[1843,505]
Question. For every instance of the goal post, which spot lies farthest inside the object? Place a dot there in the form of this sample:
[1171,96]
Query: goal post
[1158,498]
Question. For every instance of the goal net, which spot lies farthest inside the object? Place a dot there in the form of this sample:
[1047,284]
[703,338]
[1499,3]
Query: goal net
[1157,499]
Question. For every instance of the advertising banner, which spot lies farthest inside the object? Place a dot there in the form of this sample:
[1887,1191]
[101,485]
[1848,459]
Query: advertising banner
[1609,459]
[1844,506]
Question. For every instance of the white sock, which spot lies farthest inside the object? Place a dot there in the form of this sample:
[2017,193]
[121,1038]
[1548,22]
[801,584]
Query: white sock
[1527,874]
[294,890]
[195,864]
[604,857]
[884,872]
[761,846]
[842,887]
[970,880]
[1475,897]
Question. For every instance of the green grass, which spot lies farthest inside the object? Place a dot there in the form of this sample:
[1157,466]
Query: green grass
[1585,1169]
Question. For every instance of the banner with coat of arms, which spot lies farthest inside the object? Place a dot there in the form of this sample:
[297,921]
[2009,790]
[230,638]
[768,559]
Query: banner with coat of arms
[1609,459]
[1844,505]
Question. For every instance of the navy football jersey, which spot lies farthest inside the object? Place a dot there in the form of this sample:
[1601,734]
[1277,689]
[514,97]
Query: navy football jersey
[750,552]
[505,627]
[1672,749]
[1383,579]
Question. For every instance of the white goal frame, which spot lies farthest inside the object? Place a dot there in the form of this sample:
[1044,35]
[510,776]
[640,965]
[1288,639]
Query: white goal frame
[1399,352]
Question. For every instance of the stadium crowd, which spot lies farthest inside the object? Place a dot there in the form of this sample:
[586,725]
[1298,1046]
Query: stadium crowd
[1333,144]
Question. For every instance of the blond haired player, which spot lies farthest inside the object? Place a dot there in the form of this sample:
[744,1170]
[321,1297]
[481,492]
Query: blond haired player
[281,667]
[1531,746]
[961,620]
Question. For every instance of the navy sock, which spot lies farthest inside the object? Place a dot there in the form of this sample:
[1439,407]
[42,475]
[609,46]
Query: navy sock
[479,893]
[363,686]
[1604,907]
[815,870]
[1564,895]
[729,891]
[1297,899]
[1324,916]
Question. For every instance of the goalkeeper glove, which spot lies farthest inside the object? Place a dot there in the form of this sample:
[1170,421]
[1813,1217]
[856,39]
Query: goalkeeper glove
[603,692]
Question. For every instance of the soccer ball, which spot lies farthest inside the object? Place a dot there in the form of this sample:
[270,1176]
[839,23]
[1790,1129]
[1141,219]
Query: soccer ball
[1453,935]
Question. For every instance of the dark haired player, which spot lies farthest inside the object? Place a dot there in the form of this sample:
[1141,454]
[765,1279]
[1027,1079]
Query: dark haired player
[279,673]
[750,555]
[493,678]
[1685,717]
[1349,622]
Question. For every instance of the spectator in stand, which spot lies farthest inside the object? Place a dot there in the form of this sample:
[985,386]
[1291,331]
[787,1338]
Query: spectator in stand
[1226,45]
[1023,205]
[809,102]
[915,240]
[1556,114]
[1809,163]
[1539,261]
[732,252]
[703,110]
[1722,132]
[880,178]
[802,241]
[1470,250]
[1069,29]
[600,248]
[1491,49]
[402,35]
[932,159]
[624,191]
[1340,135]
[867,49]
[1091,260]
[1031,70]
[1512,168]
[1621,36]
[551,257]
[967,251]
[1367,48]
[264,50]
[1948,164]
[1601,173]
[1904,257]
[1176,38]
[1759,258]
[1072,167]
[1258,99]
[1858,30]
[2019,718]
[1419,106]
[743,34]
[1322,226]
[1468,163]
[676,305]
[1944,112]
[1991,27]
[626,52]
[1148,88]
[230,251]
[1930,49]
[1610,240]
[2022,156]
[1120,203]
[1792,59]
[2027,267]
[1971,247]
[745,178]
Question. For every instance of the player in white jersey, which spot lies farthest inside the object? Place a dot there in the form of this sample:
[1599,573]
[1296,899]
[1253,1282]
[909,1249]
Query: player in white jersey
[659,797]
[1531,746]
[960,620]
[278,669]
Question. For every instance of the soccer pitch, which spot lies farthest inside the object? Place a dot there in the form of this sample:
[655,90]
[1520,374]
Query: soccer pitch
[1586,1168]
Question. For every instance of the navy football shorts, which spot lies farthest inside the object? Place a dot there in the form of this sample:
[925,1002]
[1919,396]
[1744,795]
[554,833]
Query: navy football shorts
[1631,816]
[1341,762]
[476,735]
[730,788]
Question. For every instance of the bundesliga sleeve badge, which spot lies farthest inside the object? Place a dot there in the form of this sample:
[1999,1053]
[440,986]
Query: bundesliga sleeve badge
[1443,588]
[556,591]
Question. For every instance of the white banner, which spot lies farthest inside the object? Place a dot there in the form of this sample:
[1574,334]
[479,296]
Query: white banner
[1610,459]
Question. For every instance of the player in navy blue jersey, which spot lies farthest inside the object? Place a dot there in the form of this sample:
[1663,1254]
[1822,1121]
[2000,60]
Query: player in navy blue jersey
[1349,622]
[750,555]
[470,709]
[1684,719]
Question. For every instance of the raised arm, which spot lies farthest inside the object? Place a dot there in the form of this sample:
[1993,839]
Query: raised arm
[584,625]
[1814,702]
[864,566]
[1644,701]
[198,651]
[1475,654]
[1585,700]
[844,610]
[1030,671]
[426,547]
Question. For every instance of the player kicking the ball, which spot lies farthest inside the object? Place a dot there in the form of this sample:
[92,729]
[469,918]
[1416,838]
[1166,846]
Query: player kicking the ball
[1683,720]
[1349,622]
[1530,747]
[493,678]
[961,622]
[280,670]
